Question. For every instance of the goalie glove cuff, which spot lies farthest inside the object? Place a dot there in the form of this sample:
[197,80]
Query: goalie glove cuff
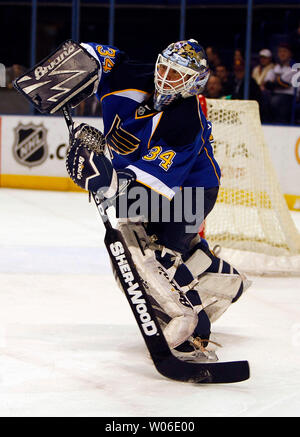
[91,171]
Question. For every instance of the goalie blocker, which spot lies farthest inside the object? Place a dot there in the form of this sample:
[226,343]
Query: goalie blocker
[68,76]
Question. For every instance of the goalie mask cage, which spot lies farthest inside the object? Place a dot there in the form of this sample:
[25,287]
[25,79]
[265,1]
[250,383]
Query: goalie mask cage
[250,221]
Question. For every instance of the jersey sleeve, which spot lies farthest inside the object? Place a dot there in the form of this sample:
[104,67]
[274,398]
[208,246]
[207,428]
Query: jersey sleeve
[108,58]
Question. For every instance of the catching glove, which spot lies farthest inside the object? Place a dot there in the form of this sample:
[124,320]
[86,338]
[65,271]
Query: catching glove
[86,163]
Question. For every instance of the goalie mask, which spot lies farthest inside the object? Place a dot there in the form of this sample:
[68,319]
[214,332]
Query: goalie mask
[180,70]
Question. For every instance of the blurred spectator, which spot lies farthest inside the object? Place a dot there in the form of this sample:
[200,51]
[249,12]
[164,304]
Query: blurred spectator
[12,73]
[214,88]
[213,57]
[226,78]
[239,83]
[11,102]
[265,64]
[278,82]
[238,55]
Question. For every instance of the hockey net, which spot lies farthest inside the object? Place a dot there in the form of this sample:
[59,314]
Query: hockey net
[250,222]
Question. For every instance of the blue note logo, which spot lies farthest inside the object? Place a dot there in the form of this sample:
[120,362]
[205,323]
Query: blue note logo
[30,145]
[120,140]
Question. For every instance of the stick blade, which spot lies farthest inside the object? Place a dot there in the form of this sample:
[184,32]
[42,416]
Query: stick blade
[203,373]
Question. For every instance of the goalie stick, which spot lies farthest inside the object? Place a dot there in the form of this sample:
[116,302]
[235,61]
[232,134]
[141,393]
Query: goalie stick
[132,284]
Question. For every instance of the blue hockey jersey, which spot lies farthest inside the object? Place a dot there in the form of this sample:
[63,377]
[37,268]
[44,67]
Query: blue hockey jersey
[167,150]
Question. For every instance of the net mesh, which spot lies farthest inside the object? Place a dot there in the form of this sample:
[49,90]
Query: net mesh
[251,213]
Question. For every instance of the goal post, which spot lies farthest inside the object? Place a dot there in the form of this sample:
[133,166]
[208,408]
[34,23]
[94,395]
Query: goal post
[250,222]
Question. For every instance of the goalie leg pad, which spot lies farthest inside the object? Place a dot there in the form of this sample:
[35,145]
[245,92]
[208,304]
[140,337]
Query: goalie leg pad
[173,302]
[215,282]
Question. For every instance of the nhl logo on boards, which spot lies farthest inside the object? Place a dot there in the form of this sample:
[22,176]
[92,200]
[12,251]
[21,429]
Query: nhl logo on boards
[30,146]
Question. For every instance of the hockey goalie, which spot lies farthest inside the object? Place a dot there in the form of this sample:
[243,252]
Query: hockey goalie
[154,162]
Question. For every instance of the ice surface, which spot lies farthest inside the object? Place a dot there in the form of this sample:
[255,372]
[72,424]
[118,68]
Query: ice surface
[69,345]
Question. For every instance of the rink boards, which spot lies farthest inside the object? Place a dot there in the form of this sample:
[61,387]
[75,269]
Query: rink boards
[33,151]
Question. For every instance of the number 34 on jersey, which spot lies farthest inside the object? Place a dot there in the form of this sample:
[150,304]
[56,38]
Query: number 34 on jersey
[166,158]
